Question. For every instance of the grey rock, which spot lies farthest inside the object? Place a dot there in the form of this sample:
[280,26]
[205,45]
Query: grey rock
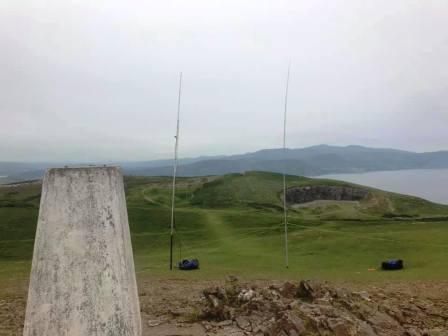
[243,323]
[298,195]
[364,329]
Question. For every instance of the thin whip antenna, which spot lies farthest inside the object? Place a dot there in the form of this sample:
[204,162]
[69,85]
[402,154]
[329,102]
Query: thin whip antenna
[285,210]
[174,174]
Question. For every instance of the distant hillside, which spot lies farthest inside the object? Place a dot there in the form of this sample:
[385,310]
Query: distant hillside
[310,161]
[9,168]
[263,190]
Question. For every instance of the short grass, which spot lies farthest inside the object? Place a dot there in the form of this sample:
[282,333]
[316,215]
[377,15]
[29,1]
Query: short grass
[234,225]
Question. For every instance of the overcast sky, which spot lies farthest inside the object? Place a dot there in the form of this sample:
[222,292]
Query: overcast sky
[98,80]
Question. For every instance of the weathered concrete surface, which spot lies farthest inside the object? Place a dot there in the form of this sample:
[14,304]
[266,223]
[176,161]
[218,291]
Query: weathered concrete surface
[82,278]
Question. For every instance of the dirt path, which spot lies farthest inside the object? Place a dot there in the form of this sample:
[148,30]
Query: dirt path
[149,199]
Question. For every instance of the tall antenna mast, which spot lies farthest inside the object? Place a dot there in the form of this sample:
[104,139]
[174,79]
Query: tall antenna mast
[174,174]
[285,211]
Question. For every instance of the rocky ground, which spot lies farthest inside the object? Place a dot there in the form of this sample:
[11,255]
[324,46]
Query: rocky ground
[233,307]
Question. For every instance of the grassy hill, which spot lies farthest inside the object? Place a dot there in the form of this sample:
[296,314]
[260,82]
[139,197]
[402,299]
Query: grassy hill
[234,225]
[263,190]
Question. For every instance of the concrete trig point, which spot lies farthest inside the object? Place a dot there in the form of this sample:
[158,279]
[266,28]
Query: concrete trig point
[83,278]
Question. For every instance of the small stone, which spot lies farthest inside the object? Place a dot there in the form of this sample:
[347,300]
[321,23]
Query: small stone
[413,332]
[246,295]
[224,323]
[154,323]
[365,329]
[311,290]
[292,332]
[363,295]
[382,322]
[436,332]
[288,290]
[243,323]
[339,327]
[213,300]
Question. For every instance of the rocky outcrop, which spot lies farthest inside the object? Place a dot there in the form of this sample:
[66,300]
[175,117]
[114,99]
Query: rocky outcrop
[298,195]
[272,307]
[316,308]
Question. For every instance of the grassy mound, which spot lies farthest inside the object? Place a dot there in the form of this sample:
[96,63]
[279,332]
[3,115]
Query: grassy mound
[264,190]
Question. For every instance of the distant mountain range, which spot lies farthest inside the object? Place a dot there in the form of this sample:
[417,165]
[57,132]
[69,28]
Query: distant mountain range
[309,161]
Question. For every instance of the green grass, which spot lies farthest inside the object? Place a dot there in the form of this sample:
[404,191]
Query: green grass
[233,224]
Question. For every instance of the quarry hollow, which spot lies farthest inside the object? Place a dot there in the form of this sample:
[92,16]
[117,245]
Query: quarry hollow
[299,195]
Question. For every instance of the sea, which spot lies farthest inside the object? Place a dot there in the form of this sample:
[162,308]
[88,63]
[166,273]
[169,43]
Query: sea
[430,184]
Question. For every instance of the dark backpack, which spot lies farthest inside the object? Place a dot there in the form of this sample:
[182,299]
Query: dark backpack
[395,264]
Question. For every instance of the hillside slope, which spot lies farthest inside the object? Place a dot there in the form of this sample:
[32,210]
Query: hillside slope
[264,190]
[234,224]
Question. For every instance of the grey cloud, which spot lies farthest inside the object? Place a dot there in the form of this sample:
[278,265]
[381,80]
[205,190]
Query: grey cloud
[98,80]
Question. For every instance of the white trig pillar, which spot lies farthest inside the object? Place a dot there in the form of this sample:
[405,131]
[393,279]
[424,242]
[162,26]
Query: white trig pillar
[82,278]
